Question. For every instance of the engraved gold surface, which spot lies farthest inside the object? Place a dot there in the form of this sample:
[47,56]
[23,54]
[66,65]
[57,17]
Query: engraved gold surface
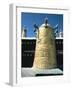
[45,52]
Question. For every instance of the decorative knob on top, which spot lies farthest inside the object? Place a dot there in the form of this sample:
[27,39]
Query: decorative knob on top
[46,21]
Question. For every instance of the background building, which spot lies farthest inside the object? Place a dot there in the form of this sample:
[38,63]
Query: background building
[28,52]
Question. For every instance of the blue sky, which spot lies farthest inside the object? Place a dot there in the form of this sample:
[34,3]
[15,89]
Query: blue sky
[28,19]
